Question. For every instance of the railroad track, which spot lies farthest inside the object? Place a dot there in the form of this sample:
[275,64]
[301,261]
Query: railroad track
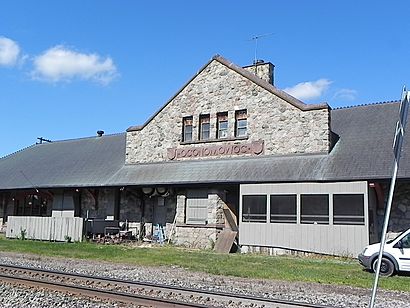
[135,292]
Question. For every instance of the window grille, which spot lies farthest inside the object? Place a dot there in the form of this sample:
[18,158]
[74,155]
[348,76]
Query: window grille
[197,207]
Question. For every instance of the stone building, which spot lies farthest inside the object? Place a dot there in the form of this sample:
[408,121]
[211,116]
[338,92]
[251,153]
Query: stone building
[229,152]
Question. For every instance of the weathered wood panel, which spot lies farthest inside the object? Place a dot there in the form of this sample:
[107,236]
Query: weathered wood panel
[45,228]
[321,238]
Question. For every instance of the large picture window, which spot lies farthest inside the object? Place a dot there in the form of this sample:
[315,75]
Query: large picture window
[283,209]
[204,127]
[187,129]
[348,209]
[314,209]
[222,123]
[254,208]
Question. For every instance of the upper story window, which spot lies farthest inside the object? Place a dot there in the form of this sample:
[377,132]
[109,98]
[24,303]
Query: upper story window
[204,127]
[222,123]
[241,123]
[187,129]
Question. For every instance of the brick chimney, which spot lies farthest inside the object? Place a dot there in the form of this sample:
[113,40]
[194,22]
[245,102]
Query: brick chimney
[262,69]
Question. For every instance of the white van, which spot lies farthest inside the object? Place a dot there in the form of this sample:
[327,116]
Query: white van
[396,255]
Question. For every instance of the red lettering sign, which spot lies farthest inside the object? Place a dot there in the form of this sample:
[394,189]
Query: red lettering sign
[253,148]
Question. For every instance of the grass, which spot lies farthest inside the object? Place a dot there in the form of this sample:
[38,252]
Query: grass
[324,270]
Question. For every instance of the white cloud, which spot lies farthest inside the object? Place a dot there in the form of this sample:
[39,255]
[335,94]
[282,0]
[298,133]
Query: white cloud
[60,63]
[345,94]
[309,89]
[9,52]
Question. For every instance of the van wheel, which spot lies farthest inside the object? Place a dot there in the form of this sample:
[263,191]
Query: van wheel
[386,269]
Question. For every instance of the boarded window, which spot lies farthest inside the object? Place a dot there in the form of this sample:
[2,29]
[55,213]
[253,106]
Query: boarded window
[348,209]
[204,127]
[314,209]
[222,123]
[197,207]
[283,208]
[254,208]
[187,129]
[241,123]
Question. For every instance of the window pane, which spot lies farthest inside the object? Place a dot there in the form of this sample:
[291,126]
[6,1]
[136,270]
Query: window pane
[405,241]
[283,208]
[223,129]
[197,207]
[222,125]
[348,209]
[254,208]
[204,127]
[314,209]
[241,123]
[187,129]
[205,131]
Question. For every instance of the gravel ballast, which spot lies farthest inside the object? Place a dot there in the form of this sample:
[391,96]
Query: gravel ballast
[314,293]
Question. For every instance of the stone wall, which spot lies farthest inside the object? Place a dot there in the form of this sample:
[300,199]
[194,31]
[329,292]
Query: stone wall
[400,211]
[200,236]
[262,70]
[284,128]
[195,237]
[103,208]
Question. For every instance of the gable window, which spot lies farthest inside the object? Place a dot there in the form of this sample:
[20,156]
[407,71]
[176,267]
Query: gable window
[222,123]
[204,127]
[254,208]
[187,129]
[314,209]
[241,123]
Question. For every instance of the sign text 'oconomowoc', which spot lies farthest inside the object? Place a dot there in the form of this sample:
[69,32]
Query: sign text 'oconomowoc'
[253,148]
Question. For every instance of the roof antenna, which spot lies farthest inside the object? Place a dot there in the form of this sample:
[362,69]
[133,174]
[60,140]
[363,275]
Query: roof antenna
[41,140]
[255,38]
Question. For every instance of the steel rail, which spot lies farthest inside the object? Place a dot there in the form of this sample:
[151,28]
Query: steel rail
[234,297]
[100,293]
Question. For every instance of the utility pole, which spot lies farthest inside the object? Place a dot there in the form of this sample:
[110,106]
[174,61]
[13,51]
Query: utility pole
[397,145]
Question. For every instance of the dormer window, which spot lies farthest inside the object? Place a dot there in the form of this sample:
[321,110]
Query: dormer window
[222,123]
[187,129]
[204,127]
[241,123]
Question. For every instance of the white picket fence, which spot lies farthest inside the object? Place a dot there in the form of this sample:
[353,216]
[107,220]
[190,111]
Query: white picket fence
[45,228]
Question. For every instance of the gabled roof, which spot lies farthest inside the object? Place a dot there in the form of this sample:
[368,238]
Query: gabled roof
[252,77]
[362,152]
[364,149]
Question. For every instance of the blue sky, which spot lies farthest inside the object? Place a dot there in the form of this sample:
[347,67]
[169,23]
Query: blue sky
[68,69]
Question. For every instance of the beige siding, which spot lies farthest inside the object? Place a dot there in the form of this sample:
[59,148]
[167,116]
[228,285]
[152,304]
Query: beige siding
[45,228]
[328,238]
